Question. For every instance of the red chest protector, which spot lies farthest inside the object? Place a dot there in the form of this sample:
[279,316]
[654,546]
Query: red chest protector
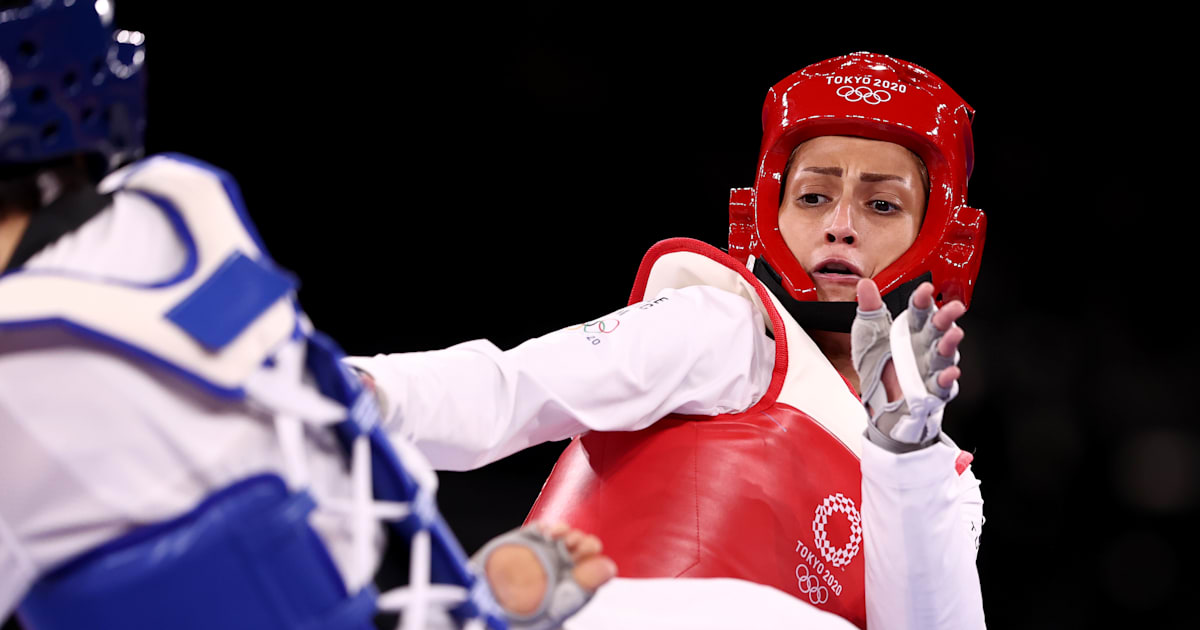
[770,495]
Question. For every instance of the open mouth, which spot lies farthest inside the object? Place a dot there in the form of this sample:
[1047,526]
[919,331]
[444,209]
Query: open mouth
[837,269]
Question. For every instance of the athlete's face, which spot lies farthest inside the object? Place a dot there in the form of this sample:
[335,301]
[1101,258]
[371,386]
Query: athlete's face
[851,207]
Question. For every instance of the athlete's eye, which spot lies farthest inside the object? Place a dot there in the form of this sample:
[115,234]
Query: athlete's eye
[884,207]
[811,199]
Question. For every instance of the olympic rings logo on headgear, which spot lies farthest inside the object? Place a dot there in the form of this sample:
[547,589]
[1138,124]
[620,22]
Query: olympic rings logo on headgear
[811,585]
[864,94]
[843,555]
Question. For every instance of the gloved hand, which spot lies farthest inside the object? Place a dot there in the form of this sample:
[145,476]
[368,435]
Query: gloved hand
[541,575]
[908,369]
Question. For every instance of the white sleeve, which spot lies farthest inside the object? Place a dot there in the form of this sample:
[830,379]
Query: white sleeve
[921,523]
[697,350]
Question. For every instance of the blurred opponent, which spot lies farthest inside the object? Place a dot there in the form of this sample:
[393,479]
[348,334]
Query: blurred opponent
[179,447]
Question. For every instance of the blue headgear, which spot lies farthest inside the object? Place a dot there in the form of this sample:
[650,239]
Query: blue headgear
[69,84]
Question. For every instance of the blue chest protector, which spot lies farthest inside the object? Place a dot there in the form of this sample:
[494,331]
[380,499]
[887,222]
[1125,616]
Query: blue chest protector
[246,556]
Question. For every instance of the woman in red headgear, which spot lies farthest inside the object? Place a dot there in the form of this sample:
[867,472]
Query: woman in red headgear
[743,417]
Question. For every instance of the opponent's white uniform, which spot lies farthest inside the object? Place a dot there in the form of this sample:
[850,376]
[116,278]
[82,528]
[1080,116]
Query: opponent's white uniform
[94,444]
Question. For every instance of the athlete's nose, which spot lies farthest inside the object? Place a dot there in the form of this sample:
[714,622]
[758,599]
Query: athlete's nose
[841,228]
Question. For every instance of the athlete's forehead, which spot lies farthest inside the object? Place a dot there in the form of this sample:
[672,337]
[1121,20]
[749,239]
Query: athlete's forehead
[871,160]
[827,154]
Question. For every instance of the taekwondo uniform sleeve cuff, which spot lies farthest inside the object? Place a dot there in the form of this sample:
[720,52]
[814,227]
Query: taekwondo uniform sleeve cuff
[920,563]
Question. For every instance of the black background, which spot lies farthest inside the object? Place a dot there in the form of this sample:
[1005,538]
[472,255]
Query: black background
[440,175]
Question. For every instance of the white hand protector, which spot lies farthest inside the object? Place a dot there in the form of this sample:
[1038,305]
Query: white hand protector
[911,343]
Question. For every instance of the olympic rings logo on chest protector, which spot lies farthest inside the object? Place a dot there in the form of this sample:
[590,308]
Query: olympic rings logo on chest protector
[864,94]
[811,585]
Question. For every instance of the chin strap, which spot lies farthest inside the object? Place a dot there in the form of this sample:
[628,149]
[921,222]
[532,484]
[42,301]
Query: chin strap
[830,316]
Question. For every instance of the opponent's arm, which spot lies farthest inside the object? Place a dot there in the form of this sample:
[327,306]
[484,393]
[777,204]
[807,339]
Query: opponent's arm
[696,350]
[921,516]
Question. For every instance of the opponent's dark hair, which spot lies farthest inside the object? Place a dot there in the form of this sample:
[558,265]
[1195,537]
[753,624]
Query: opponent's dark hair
[19,188]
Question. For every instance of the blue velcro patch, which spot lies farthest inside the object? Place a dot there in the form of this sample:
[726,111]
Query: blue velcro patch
[236,294]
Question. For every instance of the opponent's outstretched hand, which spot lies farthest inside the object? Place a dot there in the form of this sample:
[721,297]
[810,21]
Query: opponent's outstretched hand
[908,368]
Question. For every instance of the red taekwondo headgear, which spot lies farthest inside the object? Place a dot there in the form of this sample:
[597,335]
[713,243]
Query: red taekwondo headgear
[878,97]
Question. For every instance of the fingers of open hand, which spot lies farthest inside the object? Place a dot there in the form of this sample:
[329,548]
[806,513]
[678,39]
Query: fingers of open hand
[948,314]
[579,544]
[922,298]
[943,357]
[948,344]
[920,306]
[946,377]
[583,545]
[869,333]
[949,334]
[556,529]
[868,295]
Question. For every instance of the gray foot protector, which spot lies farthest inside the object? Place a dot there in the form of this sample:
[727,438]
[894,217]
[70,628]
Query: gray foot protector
[564,597]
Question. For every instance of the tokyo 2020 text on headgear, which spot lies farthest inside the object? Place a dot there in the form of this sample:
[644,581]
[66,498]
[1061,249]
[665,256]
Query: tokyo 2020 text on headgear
[69,84]
[881,98]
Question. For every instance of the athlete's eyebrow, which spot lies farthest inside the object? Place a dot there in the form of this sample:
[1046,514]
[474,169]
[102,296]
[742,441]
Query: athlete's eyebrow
[880,177]
[836,171]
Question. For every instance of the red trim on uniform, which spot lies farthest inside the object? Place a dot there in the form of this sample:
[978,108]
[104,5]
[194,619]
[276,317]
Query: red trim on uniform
[963,460]
[673,245]
[850,387]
